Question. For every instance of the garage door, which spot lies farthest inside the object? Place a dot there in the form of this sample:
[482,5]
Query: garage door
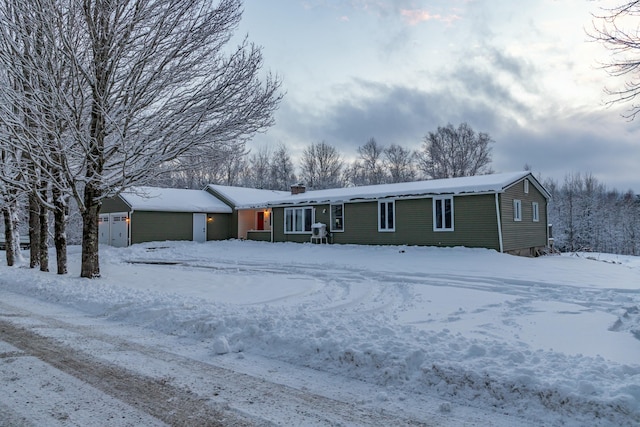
[103,229]
[119,229]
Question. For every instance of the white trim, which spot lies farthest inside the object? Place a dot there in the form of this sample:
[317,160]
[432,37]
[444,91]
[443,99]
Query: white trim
[499,224]
[535,209]
[331,222]
[532,180]
[303,208]
[444,228]
[392,229]
[526,186]
[517,210]
[546,215]
[320,202]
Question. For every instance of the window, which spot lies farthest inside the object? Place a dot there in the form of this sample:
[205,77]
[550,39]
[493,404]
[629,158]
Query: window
[443,214]
[535,207]
[386,216]
[517,210]
[526,186]
[337,218]
[298,220]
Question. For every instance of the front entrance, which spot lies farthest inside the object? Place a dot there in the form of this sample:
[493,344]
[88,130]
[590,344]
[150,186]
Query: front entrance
[199,227]
[260,221]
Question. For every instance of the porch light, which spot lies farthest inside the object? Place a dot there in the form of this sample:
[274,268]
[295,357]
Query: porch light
[209,219]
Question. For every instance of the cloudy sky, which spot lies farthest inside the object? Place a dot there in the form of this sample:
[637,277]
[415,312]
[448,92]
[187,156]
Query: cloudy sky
[523,71]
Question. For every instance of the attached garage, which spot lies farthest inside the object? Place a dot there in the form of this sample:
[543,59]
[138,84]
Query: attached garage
[145,214]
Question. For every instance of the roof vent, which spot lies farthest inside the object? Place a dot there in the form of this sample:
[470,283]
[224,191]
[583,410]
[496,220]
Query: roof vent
[298,189]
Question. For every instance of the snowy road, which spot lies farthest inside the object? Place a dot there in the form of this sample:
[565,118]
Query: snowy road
[58,369]
[288,334]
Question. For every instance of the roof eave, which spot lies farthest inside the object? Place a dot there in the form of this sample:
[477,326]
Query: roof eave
[363,199]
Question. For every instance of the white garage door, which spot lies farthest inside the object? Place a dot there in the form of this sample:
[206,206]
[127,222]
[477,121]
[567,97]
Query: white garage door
[119,229]
[103,229]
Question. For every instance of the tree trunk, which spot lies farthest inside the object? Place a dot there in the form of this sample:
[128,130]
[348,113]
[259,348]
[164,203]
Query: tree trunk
[60,229]
[44,232]
[8,236]
[90,261]
[34,231]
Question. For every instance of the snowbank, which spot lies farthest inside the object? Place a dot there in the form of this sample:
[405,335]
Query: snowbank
[553,339]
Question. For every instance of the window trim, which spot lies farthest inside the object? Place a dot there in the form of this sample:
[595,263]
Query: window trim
[435,216]
[387,229]
[535,208]
[331,218]
[303,209]
[517,210]
[526,186]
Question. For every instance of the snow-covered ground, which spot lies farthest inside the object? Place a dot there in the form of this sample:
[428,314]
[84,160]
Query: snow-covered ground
[546,341]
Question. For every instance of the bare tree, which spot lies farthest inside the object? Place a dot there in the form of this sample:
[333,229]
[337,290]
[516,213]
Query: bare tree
[149,82]
[617,29]
[321,166]
[588,217]
[453,152]
[281,169]
[232,169]
[9,172]
[205,165]
[259,168]
[23,171]
[399,163]
[370,155]
[355,174]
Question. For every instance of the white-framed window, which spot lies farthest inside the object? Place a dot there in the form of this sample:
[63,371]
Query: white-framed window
[517,210]
[526,186]
[298,220]
[337,217]
[387,215]
[443,213]
[535,208]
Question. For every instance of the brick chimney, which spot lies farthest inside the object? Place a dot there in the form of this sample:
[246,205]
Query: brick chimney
[298,189]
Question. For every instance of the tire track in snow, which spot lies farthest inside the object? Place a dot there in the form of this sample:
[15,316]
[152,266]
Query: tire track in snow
[221,397]
[170,404]
[624,304]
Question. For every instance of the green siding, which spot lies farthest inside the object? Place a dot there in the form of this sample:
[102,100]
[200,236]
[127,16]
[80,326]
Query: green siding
[233,225]
[260,236]
[159,226]
[475,224]
[114,204]
[232,232]
[277,224]
[218,226]
[525,234]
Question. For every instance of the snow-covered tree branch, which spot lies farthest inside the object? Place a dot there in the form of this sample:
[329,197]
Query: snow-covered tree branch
[143,83]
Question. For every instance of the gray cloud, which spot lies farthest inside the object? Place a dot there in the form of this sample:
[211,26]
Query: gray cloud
[389,113]
[598,142]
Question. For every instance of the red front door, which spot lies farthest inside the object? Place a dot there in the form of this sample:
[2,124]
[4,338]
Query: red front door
[260,225]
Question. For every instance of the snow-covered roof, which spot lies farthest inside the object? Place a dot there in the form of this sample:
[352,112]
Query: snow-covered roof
[173,200]
[241,196]
[495,183]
